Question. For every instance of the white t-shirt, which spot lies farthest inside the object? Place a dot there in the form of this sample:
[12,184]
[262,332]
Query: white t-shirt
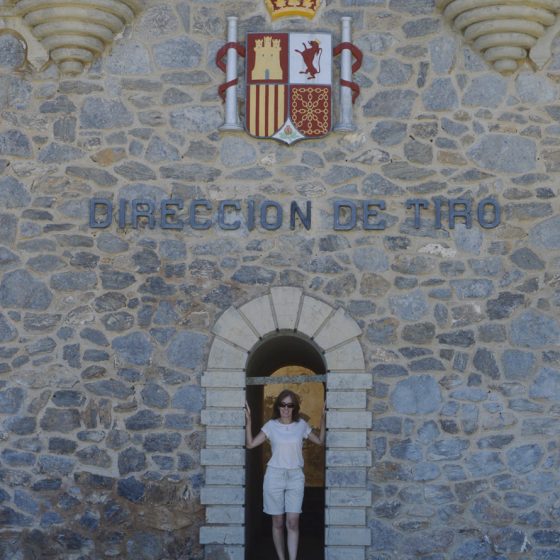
[286,441]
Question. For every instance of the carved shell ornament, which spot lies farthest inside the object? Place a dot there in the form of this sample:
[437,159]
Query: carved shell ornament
[75,32]
[506,32]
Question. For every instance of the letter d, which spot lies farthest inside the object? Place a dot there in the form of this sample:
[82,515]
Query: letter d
[105,218]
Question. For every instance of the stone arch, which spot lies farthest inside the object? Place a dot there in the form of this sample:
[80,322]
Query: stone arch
[336,334]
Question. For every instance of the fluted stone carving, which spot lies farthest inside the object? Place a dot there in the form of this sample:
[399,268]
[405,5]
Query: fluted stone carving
[74,32]
[506,32]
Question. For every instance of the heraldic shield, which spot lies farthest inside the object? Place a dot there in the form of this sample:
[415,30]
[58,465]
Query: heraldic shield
[289,85]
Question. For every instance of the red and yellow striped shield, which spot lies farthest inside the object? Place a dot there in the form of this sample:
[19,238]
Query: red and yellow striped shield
[267,109]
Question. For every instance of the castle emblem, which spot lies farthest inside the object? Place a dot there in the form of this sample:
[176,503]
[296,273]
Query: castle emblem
[289,78]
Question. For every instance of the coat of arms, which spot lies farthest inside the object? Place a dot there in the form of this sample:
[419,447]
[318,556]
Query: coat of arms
[289,86]
[289,78]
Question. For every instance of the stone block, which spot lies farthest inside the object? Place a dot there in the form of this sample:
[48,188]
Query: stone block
[534,330]
[348,536]
[339,328]
[370,259]
[222,535]
[345,516]
[286,303]
[546,385]
[134,348]
[416,395]
[349,357]
[546,234]
[224,379]
[178,53]
[162,442]
[222,495]
[225,552]
[232,327]
[313,314]
[259,313]
[412,306]
[226,476]
[21,290]
[225,356]
[441,95]
[60,420]
[12,52]
[225,514]
[517,364]
[54,465]
[525,458]
[143,420]
[394,103]
[346,399]
[187,349]
[345,553]
[346,438]
[346,477]
[13,193]
[227,418]
[349,381]
[348,419]
[223,456]
[348,458]
[12,398]
[516,154]
[225,398]
[188,398]
[236,152]
[388,133]
[131,460]
[98,113]
[225,436]
[351,497]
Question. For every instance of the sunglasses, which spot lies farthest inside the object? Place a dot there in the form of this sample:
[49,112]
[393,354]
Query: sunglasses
[286,405]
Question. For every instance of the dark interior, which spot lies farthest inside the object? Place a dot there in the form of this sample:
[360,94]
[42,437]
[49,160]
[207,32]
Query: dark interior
[281,350]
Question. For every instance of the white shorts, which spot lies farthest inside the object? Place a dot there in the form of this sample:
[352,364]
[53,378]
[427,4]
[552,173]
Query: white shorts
[283,490]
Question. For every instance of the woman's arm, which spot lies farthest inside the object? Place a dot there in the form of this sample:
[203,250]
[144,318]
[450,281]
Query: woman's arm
[320,439]
[251,441]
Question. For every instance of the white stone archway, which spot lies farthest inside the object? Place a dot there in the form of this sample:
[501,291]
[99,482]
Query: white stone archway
[347,459]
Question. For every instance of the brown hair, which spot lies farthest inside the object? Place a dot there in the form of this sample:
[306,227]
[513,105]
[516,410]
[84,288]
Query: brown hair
[276,406]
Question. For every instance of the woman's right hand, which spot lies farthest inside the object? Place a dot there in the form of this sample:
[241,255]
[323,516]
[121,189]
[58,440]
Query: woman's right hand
[247,412]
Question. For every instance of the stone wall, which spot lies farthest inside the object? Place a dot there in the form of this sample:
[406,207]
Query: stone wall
[105,333]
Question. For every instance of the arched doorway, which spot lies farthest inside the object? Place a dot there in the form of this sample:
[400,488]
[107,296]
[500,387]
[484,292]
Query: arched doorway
[285,360]
[291,317]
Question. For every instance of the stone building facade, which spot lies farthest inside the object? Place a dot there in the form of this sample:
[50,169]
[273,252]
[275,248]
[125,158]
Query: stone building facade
[423,291]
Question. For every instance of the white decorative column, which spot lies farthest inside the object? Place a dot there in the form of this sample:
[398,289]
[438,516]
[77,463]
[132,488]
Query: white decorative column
[231,121]
[345,122]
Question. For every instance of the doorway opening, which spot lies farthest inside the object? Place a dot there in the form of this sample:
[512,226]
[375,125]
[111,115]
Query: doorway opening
[279,328]
[285,360]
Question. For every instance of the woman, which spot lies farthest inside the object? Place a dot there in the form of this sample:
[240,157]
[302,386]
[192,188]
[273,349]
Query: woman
[284,480]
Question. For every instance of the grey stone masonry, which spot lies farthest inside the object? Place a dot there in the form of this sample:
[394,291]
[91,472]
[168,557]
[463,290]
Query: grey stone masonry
[427,282]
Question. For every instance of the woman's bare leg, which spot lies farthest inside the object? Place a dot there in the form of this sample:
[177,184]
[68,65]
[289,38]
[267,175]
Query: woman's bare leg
[278,535]
[292,524]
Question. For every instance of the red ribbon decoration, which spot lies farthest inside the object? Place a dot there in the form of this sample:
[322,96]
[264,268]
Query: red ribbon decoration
[357,54]
[220,64]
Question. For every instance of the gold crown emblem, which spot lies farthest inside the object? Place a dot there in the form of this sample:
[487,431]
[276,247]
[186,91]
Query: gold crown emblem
[290,8]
